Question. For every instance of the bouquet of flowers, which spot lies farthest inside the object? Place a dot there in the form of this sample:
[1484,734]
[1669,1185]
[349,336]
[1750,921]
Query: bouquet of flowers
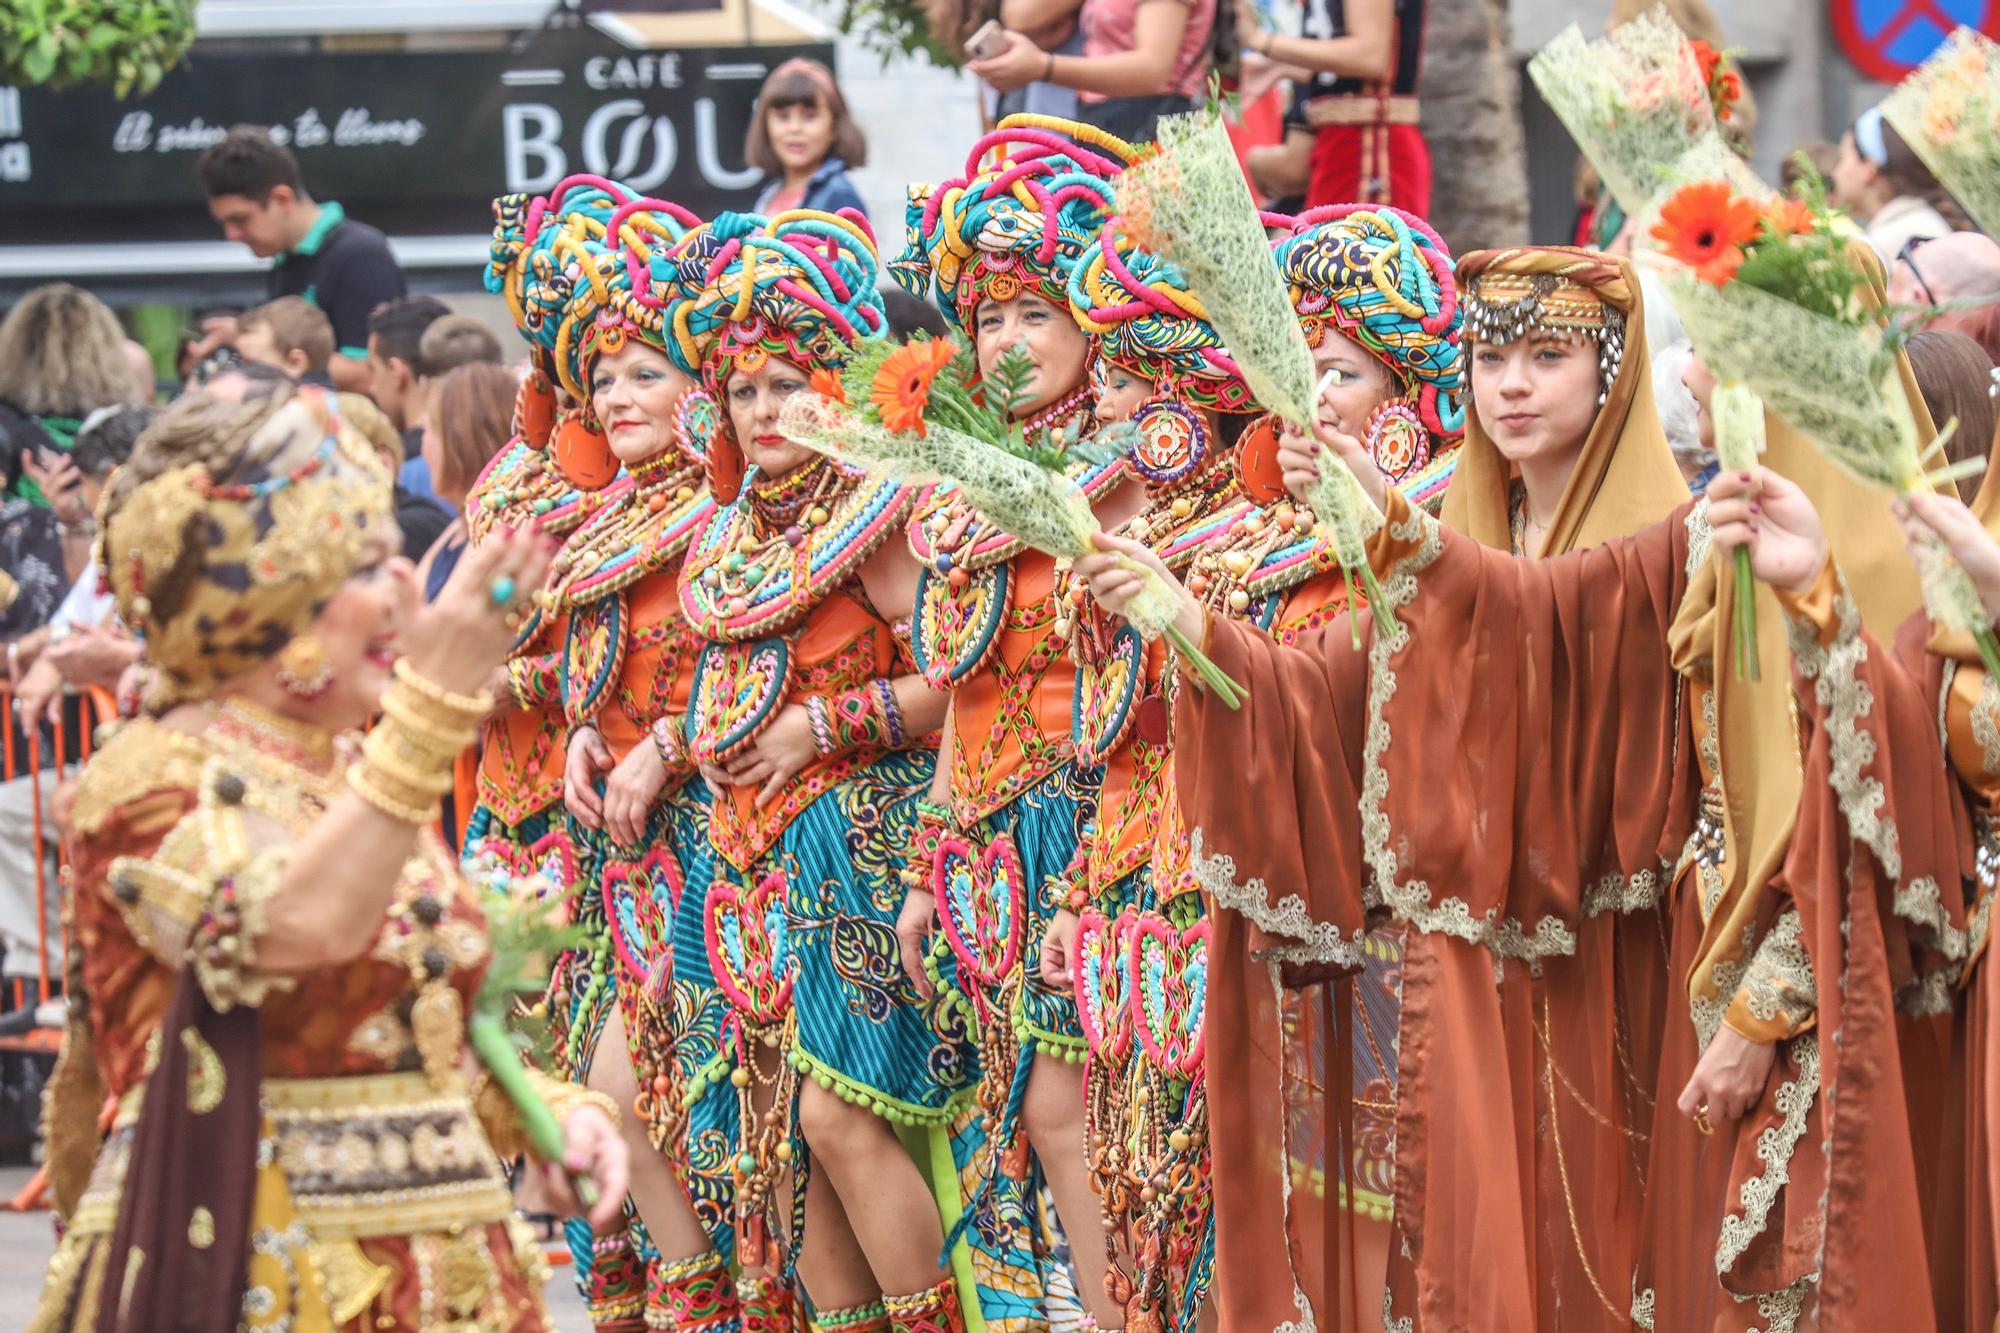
[918,412]
[1773,302]
[1949,112]
[1189,203]
[1636,100]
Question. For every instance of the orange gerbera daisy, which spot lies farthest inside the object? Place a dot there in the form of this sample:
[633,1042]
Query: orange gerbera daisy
[1789,217]
[826,384]
[902,386]
[1705,226]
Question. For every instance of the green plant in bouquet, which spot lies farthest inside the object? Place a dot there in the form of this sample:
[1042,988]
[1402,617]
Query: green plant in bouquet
[919,412]
[525,933]
[128,45]
[1775,305]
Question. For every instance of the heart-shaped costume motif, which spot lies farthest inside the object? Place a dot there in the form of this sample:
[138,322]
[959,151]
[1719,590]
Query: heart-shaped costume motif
[1105,692]
[1103,999]
[1169,981]
[736,692]
[749,948]
[983,899]
[639,898]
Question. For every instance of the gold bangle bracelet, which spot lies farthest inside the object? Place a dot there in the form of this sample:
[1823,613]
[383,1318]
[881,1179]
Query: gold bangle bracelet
[392,741]
[398,705]
[403,786]
[388,805]
[432,781]
[428,715]
[473,706]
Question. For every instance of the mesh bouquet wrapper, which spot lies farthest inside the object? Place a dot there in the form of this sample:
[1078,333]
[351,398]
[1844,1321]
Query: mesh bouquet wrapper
[1189,203]
[1835,382]
[1634,101]
[1949,112]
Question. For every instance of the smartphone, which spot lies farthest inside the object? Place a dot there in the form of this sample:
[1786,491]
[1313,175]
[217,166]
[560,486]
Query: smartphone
[989,41]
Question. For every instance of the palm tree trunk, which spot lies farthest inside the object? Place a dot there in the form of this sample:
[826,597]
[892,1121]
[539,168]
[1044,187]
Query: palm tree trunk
[1471,90]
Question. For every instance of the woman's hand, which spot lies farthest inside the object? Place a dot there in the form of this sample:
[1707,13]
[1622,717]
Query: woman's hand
[459,639]
[1299,457]
[92,655]
[594,1149]
[914,926]
[61,484]
[1765,512]
[1730,1077]
[780,752]
[1018,65]
[589,759]
[1117,573]
[1929,517]
[631,791]
[1058,949]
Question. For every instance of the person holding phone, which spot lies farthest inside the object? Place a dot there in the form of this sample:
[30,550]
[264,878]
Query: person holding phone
[1141,60]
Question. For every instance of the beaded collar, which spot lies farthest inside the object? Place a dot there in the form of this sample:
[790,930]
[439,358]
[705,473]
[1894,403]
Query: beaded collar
[751,573]
[981,546]
[647,522]
[520,487]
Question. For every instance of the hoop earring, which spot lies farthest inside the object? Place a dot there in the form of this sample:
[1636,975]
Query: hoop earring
[1173,439]
[1395,437]
[303,670]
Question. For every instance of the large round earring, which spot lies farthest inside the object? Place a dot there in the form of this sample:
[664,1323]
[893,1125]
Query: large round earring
[581,452]
[1172,440]
[303,670]
[1396,439]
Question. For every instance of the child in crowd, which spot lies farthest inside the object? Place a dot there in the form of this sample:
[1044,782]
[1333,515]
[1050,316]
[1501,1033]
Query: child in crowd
[290,335]
[805,142]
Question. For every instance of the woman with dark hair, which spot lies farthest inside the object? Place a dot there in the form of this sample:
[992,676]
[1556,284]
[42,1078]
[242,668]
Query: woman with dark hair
[805,142]
[1886,186]
[1955,377]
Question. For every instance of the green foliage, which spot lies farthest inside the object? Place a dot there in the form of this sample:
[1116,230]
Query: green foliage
[890,28]
[1810,270]
[127,45]
[526,936]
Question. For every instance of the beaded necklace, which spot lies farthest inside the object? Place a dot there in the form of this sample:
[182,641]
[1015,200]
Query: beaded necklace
[764,562]
[520,486]
[650,524]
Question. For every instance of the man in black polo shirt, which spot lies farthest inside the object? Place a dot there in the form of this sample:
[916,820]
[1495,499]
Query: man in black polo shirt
[342,266]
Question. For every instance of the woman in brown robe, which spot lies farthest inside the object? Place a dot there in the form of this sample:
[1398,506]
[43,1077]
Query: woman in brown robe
[1514,790]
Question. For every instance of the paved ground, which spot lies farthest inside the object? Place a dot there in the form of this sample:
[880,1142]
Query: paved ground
[26,1242]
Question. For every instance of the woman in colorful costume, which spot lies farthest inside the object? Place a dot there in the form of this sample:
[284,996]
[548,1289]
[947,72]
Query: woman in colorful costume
[1375,296]
[634,807]
[277,949]
[995,249]
[518,817]
[1542,737]
[813,733]
[1137,907]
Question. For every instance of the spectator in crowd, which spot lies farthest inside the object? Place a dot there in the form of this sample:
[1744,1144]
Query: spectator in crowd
[144,374]
[207,344]
[804,141]
[1955,376]
[1961,269]
[289,335]
[62,357]
[81,646]
[1886,186]
[907,315]
[342,266]
[422,520]
[1140,61]
[1817,158]
[471,418]
[397,374]
[450,342]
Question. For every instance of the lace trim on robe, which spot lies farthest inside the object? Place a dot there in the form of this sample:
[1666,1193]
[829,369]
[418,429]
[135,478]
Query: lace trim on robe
[1296,936]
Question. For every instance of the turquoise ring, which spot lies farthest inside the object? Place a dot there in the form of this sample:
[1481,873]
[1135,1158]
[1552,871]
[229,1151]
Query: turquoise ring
[501,591]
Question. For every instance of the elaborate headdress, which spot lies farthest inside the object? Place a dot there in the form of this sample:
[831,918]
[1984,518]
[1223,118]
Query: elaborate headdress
[1382,277]
[1625,478]
[800,286]
[1019,221]
[1148,319]
[219,562]
[611,263]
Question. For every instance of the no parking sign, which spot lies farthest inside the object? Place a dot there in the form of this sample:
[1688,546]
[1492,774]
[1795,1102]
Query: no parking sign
[1886,39]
